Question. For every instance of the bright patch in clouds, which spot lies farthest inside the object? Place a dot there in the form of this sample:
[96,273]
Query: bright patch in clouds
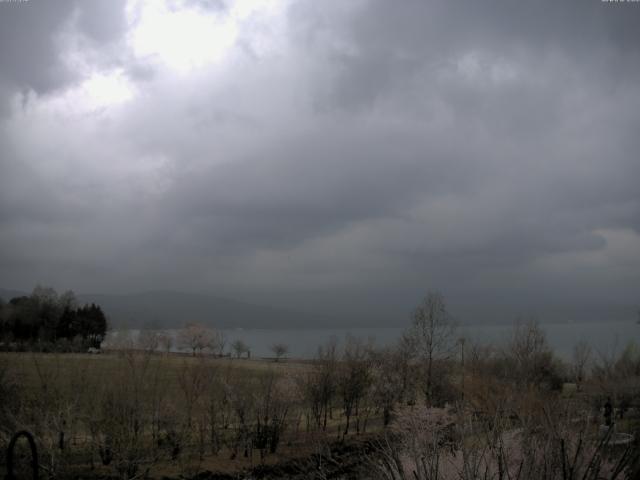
[98,93]
[181,39]
[184,37]
[106,89]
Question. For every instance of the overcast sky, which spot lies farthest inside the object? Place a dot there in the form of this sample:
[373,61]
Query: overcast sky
[338,156]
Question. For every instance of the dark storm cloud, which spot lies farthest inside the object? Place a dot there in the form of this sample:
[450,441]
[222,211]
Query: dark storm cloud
[379,44]
[370,151]
[102,22]
[30,55]
[307,187]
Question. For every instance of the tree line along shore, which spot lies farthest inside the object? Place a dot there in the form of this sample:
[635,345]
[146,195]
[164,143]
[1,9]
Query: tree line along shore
[47,321]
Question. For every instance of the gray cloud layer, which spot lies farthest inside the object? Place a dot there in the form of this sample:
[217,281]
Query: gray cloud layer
[342,157]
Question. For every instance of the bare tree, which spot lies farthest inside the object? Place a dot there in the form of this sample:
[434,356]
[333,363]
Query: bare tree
[148,340]
[354,379]
[239,389]
[318,384]
[580,360]
[432,332]
[217,343]
[120,419]
[165,340]
[239,347]
[404,354]
[387,380]
[68,300]
[279,350]
[274,397]
[194,377]
[531,356]
[197,338]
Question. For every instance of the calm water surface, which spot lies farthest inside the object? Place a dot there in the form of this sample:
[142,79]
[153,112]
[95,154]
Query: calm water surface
[606,338]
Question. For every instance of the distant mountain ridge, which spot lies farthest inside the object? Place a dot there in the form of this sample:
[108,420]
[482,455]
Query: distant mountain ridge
[169,309]
[7,295]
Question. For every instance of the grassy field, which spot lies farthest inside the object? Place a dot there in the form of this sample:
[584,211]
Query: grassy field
[131,414]
[202,406]
[29,368]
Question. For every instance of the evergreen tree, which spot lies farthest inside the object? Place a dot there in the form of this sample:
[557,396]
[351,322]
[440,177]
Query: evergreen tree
[45,316]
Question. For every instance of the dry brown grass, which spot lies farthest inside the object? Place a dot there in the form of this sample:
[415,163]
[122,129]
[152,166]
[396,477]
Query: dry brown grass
[28,367]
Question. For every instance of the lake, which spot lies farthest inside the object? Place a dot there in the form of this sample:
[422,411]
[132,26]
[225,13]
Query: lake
[606,338]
